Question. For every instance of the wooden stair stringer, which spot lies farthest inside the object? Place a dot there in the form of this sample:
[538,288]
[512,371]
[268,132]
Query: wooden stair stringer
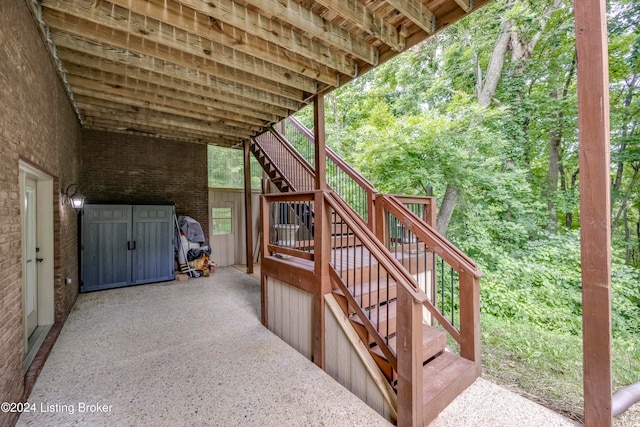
[362,351]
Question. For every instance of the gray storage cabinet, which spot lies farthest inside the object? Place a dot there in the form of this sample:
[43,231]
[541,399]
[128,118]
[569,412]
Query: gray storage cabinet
[126,245]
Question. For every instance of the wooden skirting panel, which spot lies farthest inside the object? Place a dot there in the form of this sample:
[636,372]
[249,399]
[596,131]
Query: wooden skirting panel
[349,362]
[291,315]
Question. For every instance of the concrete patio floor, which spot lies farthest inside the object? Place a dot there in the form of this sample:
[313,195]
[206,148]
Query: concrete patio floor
[195,353]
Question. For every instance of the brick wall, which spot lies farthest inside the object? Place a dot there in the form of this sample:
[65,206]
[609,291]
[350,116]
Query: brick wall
[37,125]
[126,168]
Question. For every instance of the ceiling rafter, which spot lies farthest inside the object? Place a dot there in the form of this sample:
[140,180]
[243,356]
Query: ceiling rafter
[417,12]
[367,21]
[183,63]
[219,71]
[159,24]
[124,125]
[104,99]
[315,26]
[196,97]
[190,49]
[80,52]
[111,109]
[242,18]
[157,118]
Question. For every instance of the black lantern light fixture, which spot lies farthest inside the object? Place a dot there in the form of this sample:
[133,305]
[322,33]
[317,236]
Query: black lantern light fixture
[72,197]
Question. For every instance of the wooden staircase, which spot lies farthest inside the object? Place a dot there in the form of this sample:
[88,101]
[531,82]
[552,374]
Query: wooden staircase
[370,268]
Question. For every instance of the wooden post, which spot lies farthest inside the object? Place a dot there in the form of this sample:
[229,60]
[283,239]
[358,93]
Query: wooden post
[431,212]
[320,145]
[595,243]
[409,354]
[470,318]
[248,214]
[381,227]
[322,256]
[265,227]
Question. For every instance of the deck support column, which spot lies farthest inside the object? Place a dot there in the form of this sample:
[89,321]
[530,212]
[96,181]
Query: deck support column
[322,231]
[320,152]
[248,212]
[595,220]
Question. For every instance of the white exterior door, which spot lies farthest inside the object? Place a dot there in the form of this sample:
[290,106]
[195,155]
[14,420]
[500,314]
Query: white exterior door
[31,258]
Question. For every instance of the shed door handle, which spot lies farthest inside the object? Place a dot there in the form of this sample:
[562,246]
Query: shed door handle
[130,246]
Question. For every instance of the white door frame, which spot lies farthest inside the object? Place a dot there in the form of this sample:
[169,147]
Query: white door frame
[44,232]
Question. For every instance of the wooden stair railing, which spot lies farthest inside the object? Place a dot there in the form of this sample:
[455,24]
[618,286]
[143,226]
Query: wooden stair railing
[383,302]
[341,177]
[275,153]
[377,269]
[459,314]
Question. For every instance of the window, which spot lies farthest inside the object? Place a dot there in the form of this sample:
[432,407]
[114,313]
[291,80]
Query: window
[221,221]
[226,169]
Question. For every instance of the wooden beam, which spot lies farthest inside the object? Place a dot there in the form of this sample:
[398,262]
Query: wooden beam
[595,220]
[242,18]
[248,213]
[367,21]
[313,25]
[97,107]
[149,95]
[466,5]
[320,142]
[191,53]
[417,12]
[157,20]
[161,121]
[86,101]
[118,126]
[118,61]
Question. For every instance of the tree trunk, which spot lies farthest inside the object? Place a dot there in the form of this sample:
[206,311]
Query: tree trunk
[626,197]
[555,138]
[617,183]
[627,234]
[446,209]
[487,89]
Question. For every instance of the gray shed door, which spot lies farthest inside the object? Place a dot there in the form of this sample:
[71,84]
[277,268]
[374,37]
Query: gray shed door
[106,261]
[126,245]
[153,237]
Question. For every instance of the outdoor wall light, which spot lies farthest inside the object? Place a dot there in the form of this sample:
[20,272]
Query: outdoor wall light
[72,197]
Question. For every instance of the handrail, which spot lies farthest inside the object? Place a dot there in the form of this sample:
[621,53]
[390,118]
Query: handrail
[468,336]
[367,237]
[274,164]
[354,174]
[366,187]
[445,249]
[304,162]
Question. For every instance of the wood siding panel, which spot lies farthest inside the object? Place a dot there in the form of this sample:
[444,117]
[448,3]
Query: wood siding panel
[220,254]
[291,315]
[353,367]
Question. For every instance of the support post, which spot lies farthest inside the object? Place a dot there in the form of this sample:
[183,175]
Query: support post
[322,256]
[248,212]
[320,145]
[595,237]
[409,354]
[265,227]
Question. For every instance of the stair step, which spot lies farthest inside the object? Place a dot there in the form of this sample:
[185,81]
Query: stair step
[434,341]
[414,262]
[444,378]
[383,319]
[368,294]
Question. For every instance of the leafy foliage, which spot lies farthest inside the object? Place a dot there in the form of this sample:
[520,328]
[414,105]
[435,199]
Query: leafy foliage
[414,126]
